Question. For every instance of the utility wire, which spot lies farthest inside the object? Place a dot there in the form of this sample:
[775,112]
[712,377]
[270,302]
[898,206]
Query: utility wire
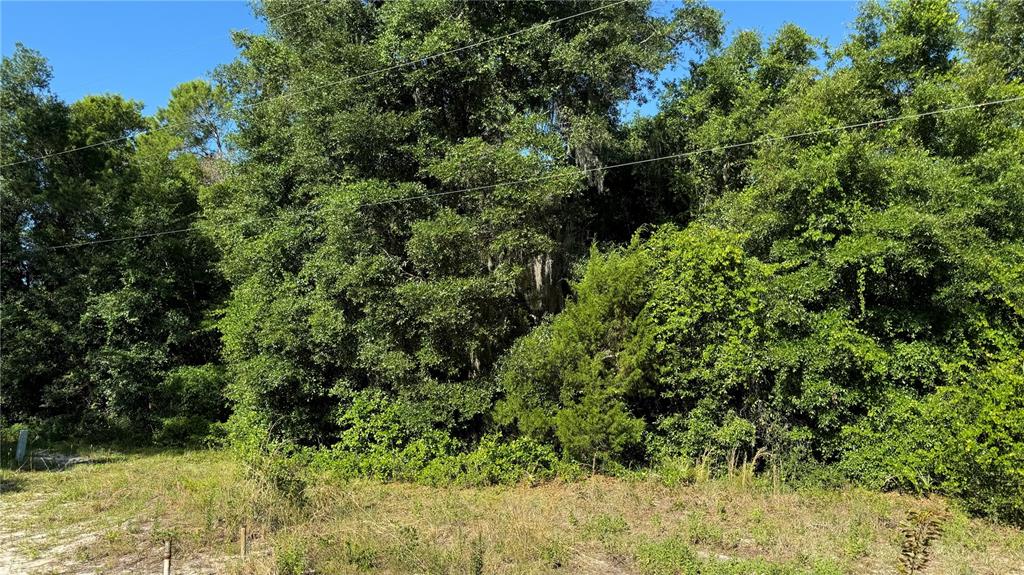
[575,172]
[141,132]
[768,140]
[386,69]
[444,53]
[305,5]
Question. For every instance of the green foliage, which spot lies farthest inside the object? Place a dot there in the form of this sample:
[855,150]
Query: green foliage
[965,440]
[90,334]
[996,36]
[385,263]
[434,459]
[605,527]
[290,558]
[889,448]
[672,557]
[198,113]
[498,462]
[666,557]
[847,296]
[182,430]
[365,272]
[612,367]
[981,460]
[194,390]
[9,444]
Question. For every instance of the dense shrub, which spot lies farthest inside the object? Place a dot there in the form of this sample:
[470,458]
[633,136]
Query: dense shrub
[195,391]
[182,430]
[655,356]
[965,440]
[189,400]
[495,461]
[438,460]
[981,459]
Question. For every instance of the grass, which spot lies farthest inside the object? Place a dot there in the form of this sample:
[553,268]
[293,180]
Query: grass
[112,517]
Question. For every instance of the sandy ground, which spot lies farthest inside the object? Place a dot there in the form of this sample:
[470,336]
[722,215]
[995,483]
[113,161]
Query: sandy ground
[61,551]
[27,553]
[23,552]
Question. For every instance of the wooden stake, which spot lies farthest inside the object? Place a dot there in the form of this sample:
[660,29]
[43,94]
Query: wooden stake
[167,557]
[243,542]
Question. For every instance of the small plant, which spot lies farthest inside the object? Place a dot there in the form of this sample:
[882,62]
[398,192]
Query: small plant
[361,556]
[666,557]
[553,554]
[677,471]
[476,557]
[604,527]
[699,531]
[290,563]
[920,530]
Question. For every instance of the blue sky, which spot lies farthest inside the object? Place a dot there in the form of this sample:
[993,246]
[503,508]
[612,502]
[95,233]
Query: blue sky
[142,49]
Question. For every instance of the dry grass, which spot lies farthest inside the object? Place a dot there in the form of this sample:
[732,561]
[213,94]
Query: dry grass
[116,514]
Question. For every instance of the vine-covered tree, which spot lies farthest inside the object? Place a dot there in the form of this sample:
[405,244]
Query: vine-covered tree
[381,249]
[853,295]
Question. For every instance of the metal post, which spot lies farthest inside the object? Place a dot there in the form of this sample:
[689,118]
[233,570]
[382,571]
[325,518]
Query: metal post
[19,454]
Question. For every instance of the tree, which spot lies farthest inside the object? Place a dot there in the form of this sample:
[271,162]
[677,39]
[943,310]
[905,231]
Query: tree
[198,113]
[995,35]
[94,322]
[33,123]
[355,277]
[874,278]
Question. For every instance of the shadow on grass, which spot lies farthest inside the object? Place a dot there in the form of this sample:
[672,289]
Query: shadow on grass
[11,483]
[64,456]
[51,461]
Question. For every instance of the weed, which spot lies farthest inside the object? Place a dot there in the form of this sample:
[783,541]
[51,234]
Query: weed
[701,531]
[676,471]
[291,563]
[361,556]
[919,531]
[553,554]
[606,526]
[666,557]
[858,538]
[476,560]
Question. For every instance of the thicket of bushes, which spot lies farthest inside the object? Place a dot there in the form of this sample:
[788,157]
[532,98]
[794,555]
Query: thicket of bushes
[426,275]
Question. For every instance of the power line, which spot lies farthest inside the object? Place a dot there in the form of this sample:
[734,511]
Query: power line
[767,140]
[575,172]
[134,134]
[386,69]
[441,54]
[305,5]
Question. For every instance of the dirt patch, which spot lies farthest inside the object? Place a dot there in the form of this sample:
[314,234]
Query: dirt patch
[24,551]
